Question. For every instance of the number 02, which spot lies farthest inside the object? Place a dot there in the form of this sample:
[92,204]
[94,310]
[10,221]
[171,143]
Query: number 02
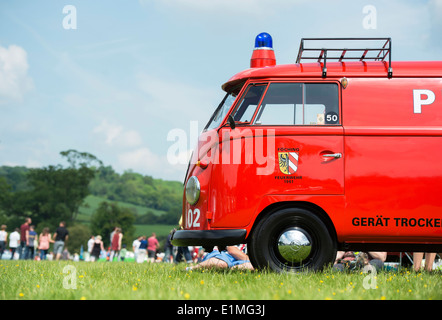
[193,218]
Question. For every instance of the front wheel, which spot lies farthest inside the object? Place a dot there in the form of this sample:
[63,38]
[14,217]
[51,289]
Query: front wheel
[293,240]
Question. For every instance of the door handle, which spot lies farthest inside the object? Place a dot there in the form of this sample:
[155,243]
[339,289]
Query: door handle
[333,155]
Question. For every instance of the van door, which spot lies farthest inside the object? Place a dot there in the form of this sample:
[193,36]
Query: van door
[308,136]
[296,128]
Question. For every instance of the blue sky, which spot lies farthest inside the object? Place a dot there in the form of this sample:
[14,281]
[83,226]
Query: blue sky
[132,71]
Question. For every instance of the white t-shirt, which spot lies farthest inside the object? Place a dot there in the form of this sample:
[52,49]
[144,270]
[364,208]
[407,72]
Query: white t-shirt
[14,239]
[136,245]
[3,235]
[90,244]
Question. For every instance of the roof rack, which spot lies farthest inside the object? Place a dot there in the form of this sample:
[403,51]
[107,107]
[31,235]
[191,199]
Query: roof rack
[377,53]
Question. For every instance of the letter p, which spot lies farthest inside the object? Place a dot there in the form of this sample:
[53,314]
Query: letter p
[418,101]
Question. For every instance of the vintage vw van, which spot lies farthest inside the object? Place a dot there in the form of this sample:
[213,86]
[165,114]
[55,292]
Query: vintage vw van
[301,160]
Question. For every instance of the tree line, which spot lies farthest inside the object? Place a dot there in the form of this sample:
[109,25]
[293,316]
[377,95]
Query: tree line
[55,193]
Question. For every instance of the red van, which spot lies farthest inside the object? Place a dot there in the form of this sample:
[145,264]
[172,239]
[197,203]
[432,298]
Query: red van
[301,160]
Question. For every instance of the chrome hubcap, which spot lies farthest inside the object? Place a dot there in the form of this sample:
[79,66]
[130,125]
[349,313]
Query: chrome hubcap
[294,245]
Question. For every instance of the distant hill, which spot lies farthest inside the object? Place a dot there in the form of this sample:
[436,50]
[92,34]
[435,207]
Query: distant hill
[134,188]
[143,194]
[155,203]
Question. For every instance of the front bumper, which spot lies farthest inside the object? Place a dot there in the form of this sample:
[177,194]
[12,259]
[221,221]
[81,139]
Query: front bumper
[208,238]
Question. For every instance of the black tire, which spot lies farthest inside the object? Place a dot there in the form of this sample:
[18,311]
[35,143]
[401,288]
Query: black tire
[268,246]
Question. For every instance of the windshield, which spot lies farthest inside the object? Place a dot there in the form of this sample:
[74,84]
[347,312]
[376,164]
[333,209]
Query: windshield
[220,112]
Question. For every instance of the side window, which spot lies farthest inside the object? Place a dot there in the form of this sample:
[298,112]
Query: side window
[300,104]
[279,104]
[221,111]
[246,109]
[321,105]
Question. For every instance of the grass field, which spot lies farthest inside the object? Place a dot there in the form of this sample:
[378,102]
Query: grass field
[51,280]
[91,203]
[161,230]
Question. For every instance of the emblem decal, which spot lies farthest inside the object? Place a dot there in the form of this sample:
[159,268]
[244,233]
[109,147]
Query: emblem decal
[288,162]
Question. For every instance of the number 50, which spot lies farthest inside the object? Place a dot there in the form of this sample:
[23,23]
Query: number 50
[332,117]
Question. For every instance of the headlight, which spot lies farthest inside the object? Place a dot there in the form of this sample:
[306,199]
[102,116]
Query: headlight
[192,190]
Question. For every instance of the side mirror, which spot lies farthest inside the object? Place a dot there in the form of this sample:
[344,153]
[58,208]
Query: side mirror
[231,122]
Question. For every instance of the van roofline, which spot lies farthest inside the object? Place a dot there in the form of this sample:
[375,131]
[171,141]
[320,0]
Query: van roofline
[407,69]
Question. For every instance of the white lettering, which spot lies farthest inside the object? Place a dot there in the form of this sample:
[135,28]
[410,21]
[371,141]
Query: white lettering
[70,281]
[177,152]
[369,281]
[370,20]
[189,310]
[70,21]
[192,219]
[269,159]
[234,147]
[418,101]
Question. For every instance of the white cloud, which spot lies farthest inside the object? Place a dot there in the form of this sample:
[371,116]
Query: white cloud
[116,135]
[142,160]
[14,78]
[178,101]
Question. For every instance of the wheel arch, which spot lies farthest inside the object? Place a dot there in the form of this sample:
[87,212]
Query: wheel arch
[313,208]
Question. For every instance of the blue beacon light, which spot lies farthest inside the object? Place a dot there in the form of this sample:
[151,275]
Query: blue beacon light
[263,41]
[263,54]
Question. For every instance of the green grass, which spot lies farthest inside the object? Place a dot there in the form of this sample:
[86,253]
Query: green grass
[161,230]
[44,280]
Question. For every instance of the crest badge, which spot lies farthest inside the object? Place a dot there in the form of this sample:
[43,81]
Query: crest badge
[288,162]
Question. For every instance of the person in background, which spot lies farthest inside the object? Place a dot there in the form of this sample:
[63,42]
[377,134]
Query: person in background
[24,232]
[3,239]
[182,251]
[152,247]
[32,240]
[200,256]
[97,248]
[111,237]
[135,246]
[123,253]
[44,242]
[232,258]
[347,259]
[168,248]
[14,241]
[142,250]
[61,235]
[116,244]
[65,255]
[429,260]
[90,243]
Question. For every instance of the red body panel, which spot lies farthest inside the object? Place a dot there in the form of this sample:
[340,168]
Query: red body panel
[240,188]
[384,189]
[391,161]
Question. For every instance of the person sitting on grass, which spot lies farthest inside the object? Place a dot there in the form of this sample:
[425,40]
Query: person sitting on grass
[232,258]
[349,260]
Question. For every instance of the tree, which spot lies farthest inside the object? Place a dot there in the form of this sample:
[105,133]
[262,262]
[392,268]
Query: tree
[5,197]
[79,234]
[110,215]
[84,159]
[5,191]
[56,192]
